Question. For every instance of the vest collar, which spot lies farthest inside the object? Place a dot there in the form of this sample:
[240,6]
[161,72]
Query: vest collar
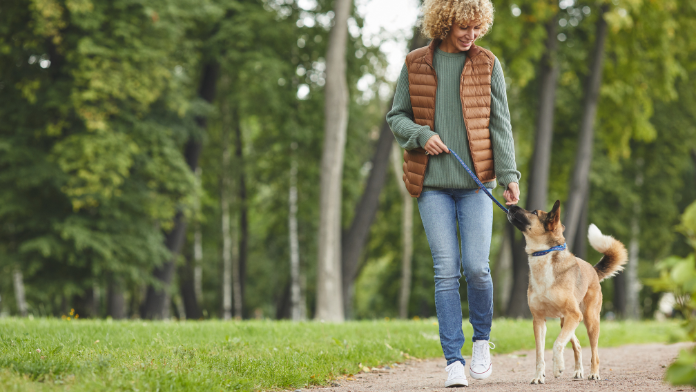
[547,251]
[430,54]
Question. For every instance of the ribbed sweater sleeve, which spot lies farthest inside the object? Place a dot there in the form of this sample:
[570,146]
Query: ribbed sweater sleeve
[408,134]
[501,130]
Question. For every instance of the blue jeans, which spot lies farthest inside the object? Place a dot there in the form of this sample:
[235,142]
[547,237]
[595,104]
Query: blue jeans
[440,211]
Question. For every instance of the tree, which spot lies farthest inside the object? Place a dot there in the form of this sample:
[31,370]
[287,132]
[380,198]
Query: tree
[156,299]
[329,282]
[537,184]
[578,190]
[406,232]
[96,115]
[298,308]
[354,239]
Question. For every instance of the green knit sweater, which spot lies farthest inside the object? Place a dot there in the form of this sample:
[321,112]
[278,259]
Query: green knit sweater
[443,170]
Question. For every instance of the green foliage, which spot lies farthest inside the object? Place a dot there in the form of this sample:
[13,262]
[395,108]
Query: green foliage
[678,276]
[95,111]
[271,57]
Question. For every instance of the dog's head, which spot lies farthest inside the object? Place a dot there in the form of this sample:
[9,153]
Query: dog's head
[539,227]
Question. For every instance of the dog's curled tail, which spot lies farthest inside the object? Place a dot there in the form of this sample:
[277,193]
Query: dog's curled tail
[615,255]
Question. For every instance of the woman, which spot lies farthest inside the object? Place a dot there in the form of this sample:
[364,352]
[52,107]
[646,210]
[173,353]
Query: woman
[451,94]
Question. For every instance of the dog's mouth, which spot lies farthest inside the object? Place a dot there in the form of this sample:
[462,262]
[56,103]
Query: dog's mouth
[517,218]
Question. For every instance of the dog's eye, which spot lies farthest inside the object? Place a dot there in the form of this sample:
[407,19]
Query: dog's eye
[534,212]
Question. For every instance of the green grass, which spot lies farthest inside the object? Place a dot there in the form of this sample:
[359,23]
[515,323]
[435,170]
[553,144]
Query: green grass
[94,355]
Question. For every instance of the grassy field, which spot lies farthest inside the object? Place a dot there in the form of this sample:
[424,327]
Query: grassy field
[95,355]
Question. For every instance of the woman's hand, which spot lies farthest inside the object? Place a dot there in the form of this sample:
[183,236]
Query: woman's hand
[435,146]
[512,193]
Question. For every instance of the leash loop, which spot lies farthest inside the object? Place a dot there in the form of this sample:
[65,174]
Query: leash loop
[478,182]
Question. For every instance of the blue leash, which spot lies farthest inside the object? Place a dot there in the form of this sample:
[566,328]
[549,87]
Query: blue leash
[478,182]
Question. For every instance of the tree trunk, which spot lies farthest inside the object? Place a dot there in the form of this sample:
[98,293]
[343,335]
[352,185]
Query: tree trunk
[187,288]
[179,307]
[18,280]
[198,248]
[502,275]
[329,282]
[632,283]
[296,311]
[580,179]
[154,305]
[243,214]
[581,233]
[95,301]
[190,275]
[284,303]
[538,183]
[225,228]
[115,300]
[355,238]
[517,304]
[620,294]
[231,282]
[406,233]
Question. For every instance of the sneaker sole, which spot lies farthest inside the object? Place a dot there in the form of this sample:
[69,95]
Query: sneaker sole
[457,382]
[481,376]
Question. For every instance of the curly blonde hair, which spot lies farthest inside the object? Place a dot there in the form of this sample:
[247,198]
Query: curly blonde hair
[440,15]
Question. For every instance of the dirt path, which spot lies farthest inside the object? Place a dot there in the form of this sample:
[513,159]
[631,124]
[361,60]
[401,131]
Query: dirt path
[627,368]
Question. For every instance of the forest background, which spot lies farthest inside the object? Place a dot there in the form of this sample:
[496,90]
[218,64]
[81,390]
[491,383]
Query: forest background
[164,159]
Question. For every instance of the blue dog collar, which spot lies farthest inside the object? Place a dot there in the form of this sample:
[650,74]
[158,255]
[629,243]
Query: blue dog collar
[544,252]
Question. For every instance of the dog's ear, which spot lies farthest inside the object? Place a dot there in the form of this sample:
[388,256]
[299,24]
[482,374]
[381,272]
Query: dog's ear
[554,217]
[556,207]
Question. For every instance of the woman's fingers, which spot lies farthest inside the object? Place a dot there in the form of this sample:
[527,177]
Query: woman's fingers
[508,197]
[432,148]
[435,146]
[511,197]
[442,146]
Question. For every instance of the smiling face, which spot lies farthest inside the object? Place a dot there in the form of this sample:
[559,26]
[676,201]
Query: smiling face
[541,229]
[461,37]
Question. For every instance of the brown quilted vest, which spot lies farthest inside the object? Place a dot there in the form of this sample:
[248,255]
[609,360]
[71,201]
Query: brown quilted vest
[475,92]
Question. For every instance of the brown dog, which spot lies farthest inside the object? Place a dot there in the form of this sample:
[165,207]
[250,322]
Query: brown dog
[562,285]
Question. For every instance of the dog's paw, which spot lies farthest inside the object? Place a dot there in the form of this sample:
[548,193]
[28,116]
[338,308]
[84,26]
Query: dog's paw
[538,380]
[594,376]
[578,375]
[558,367]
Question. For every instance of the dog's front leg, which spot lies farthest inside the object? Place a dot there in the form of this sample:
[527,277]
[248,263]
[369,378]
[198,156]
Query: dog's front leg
[540,338]
[568,324]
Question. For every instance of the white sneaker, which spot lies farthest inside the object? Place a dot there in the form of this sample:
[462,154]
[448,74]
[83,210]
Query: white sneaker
[457,375]
[481,366]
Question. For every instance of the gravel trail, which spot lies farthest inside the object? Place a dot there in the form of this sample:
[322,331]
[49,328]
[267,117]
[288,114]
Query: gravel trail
[626,368]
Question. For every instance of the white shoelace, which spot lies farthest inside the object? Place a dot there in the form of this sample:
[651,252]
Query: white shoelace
[455,371]
[481,352]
